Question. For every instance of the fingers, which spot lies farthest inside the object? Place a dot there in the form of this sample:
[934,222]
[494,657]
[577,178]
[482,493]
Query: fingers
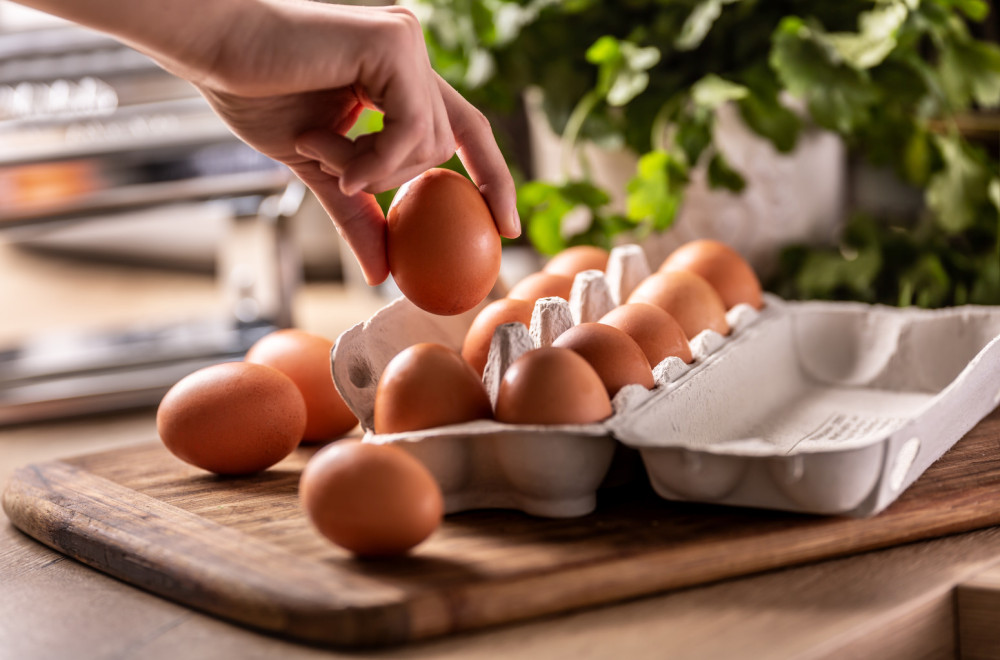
[478,151]
[331,150]
[396,77]
[358,219]
[416,134]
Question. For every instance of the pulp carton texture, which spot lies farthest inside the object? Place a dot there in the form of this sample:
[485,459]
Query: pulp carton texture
[819,407]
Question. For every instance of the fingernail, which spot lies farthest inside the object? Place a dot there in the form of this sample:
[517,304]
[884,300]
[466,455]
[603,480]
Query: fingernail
[515,224]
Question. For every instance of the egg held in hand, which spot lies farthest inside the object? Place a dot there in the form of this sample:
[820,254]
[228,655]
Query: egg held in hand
[687,297]
[233,418]
[428,385]
[552,386]
[476,347]
[442,245]
[722,267]
[305,358]
[373,500]
[614,355]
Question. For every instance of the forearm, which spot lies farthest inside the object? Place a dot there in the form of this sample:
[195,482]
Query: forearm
[183,35]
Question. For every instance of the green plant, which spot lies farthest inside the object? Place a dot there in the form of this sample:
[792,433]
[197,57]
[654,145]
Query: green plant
[889,76]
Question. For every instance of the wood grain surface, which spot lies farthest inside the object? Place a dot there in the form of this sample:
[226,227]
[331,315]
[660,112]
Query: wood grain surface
[978,603]
[242,549]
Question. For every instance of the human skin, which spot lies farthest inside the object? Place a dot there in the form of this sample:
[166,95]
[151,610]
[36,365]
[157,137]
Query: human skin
[290,77]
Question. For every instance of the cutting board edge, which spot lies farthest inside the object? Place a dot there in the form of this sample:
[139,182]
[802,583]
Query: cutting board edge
[306,617]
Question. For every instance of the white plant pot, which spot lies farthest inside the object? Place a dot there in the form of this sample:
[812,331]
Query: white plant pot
[789,198]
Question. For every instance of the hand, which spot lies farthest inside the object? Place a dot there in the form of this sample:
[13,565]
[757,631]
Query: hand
[291,78]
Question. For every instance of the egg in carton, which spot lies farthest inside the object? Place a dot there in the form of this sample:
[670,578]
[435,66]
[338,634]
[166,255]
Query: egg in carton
[543,470]
[819,407]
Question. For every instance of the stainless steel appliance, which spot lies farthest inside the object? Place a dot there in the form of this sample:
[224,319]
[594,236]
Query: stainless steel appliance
[93,131]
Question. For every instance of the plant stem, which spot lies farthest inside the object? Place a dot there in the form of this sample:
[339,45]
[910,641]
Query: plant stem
[571,134]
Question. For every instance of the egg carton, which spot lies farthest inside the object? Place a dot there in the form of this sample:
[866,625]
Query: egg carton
[817,407]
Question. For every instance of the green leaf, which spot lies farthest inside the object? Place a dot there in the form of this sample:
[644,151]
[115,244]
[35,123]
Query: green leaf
[621,68]
[586,193]
[711,91]
[917,158]
[698,24]
[993,192]
[721,175]
[977,10]
[692,135]
[542,207]
[838,95]
[970,71]
[626,86]
[956,194]
[604,50]
[654,193]
[926,284]
[825,274]
[640,58]
[986,289]
[369,121]
[876,36]
[763,111]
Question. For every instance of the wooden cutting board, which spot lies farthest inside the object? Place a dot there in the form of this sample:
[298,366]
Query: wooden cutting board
[243,550]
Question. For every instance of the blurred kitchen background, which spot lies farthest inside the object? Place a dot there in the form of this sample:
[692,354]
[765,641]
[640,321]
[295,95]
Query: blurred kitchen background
[114,173]
[849,153]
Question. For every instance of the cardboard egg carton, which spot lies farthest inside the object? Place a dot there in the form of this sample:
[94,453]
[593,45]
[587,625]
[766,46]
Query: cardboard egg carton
[820,407]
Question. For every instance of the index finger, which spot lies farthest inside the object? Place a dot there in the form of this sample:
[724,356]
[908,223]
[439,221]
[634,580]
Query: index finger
[479,153]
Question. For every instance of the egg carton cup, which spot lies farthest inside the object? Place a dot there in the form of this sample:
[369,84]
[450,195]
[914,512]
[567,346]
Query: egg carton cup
[545,470]
[817,407]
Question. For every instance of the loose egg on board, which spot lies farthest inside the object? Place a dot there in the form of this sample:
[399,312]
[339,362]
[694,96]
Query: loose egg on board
[442,244]
[655,331]
[687,297]
[722,266]
[305,358]
[476,347]
[374,500]
[616,357]
[552,386]
[428,385]
[542,285]
[232,418]
[577,259]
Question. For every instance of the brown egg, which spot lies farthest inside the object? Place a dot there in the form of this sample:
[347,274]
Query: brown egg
[428,385]
[723,267]
[476,348]
[542,285]
[442,244]
[614,355]
[552,386]
[374,500]
[687,297]
[305,358]
[577,259]
[656,332]
[232,418]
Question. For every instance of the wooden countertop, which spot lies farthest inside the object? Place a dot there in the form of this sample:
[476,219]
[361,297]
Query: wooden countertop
[934,599]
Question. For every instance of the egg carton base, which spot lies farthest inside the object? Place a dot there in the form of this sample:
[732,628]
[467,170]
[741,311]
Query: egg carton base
[814,407]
